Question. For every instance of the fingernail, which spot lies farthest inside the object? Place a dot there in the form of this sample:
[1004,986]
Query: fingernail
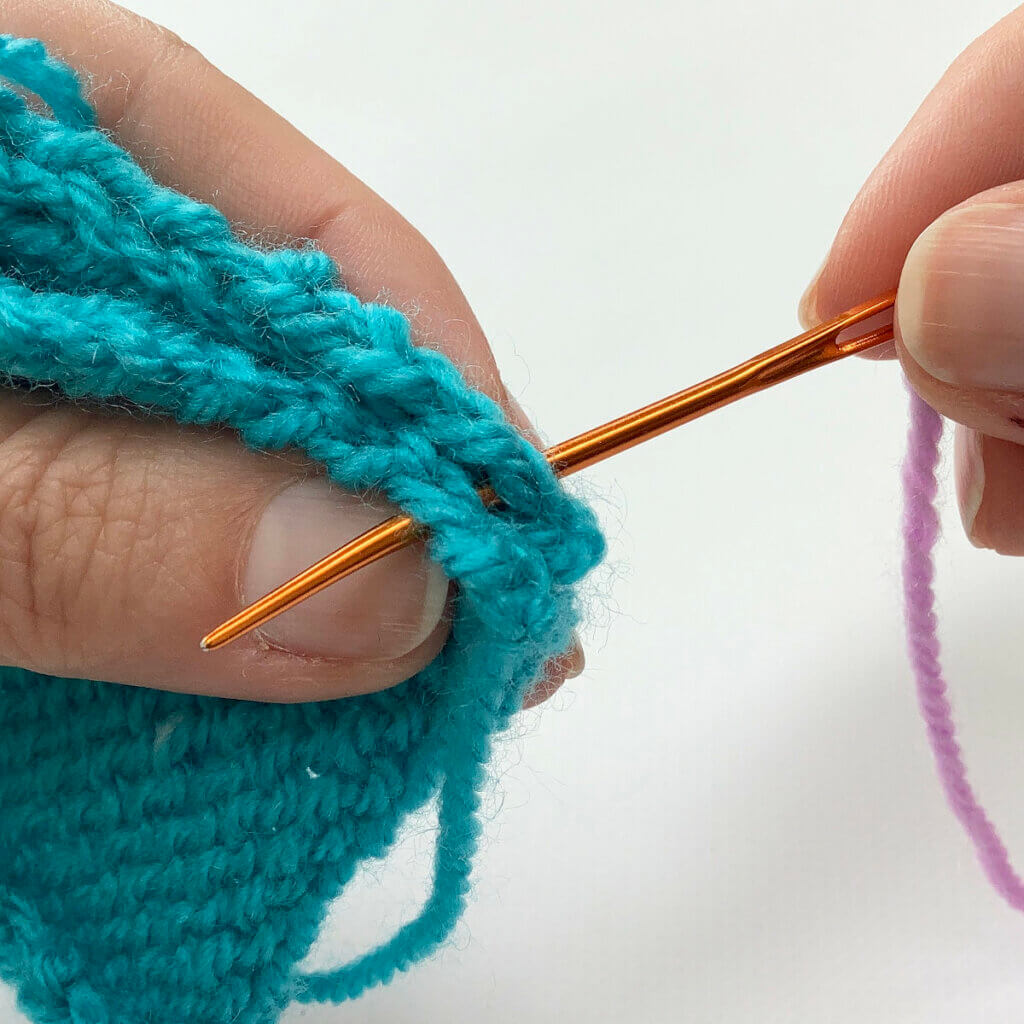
[961,301]
[807,311]
[380,612]
[574,661]
[567,665]
[970,479]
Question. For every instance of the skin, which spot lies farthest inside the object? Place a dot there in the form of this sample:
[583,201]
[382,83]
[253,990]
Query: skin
[964,146]
[121,539]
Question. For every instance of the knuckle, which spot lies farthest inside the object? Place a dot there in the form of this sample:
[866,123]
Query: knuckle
[170,52]
[174,52]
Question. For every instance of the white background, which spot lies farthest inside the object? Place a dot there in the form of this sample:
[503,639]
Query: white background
[732,816]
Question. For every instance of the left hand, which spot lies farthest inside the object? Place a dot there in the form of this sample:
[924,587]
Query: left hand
[123,541]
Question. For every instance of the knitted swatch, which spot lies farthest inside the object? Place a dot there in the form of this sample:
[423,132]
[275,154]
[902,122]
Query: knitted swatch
[167,858]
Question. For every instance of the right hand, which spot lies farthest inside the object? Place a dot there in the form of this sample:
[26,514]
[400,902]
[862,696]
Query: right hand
[943,215]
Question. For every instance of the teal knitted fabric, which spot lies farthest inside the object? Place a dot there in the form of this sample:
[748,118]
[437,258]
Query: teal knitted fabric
[167,858]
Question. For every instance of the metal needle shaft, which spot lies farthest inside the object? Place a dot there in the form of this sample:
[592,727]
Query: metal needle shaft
[813,348]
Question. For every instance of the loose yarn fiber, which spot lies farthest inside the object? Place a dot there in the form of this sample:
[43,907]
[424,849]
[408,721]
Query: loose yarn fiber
[920,533]
[167,858]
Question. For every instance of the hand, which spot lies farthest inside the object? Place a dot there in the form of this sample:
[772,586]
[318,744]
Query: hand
[943,214]
[123,541]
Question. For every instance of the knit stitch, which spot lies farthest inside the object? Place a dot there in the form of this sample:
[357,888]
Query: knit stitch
[168,858]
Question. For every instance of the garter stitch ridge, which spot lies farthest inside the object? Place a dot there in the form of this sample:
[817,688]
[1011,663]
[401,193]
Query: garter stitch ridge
[168,858]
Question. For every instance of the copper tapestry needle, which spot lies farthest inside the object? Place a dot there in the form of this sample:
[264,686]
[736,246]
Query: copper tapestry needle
[816,347]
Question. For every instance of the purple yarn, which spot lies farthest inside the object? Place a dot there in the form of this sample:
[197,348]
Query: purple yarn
[920,531]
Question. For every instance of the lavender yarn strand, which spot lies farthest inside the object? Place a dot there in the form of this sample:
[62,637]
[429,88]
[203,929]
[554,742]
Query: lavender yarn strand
[920,532]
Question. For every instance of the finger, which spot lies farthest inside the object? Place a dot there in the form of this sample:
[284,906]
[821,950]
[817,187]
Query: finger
[990,488]
[960,333]
[567,665]
[198,131]
[121,540]
[965,138]
[960,313]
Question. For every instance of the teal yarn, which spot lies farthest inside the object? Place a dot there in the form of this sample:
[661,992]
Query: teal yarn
[167,858]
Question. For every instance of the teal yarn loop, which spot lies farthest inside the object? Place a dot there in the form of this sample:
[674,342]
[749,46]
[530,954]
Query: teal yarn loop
[167,857]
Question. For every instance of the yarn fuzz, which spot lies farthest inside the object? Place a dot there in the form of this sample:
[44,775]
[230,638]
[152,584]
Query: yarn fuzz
[167,858]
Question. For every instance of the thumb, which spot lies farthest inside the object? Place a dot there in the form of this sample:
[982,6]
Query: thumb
[960,335]
[124,540]
[961,294]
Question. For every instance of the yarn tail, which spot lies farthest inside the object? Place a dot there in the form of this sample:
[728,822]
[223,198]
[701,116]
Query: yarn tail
[458,832]
[920,532]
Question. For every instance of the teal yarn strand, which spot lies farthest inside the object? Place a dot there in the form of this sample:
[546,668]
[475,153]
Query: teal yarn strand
[166,857]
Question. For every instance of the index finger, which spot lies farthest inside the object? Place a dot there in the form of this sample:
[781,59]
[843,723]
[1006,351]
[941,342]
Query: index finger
[964,138]
[196,130]
[202,133]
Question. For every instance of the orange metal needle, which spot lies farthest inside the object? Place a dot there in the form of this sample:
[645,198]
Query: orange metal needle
[816,347]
